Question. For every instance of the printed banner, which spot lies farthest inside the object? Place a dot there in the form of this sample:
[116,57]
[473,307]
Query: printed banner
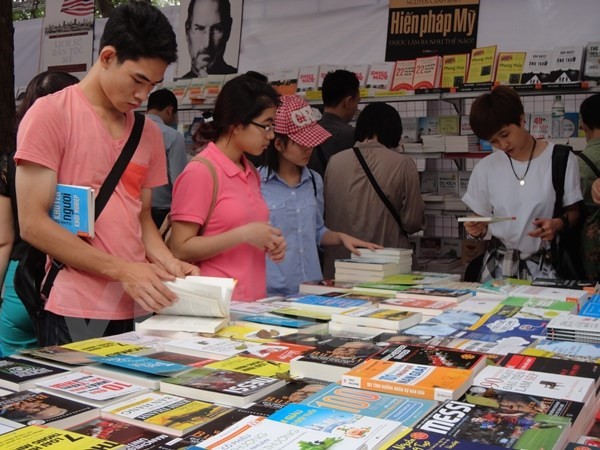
[68,39]
[208,38]
[431,27]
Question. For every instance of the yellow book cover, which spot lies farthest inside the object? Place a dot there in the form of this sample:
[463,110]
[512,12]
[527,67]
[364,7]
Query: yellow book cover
[454,70]
[37,438]
[509,67]
[481,65]
[449,125]
[250,333]
[105,347]
[164,413]
[251,366]
[411,380]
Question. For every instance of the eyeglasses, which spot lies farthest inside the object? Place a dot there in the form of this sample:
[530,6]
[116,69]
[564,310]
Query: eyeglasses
[267,128]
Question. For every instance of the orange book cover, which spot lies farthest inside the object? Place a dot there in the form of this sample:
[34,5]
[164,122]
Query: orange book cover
[411,380]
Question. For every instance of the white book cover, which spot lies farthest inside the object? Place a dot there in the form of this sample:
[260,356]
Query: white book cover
[307,79]
[361,71]
[93,389]
[448,182]
[566,64]
[380,76]
[409,130]
[572,322]
[576,295]
[543,384]
[213,348]
[591,68]
[324,69]
[537,67]
[200,296]
[259,433]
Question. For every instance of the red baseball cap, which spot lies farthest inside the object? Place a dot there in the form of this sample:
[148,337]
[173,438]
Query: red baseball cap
[295,119]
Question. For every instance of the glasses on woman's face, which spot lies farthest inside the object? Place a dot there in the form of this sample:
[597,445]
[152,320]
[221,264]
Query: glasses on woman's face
[267,128]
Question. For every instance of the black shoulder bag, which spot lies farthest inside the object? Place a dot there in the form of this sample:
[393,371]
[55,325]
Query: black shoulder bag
[30,271]
[566,248]
[382,196]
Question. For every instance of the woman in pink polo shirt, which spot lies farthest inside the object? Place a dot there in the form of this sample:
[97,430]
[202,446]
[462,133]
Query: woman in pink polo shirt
[237,234]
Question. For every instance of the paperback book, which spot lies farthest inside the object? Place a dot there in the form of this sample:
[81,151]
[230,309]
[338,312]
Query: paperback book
[131,436]
[144,364]
[434,356]
[489,426]
[537,67]
[53,438]
[202,305]
[425,307]
[164,413]
[73,209]
[252,366]
[58,355]
[105,347]
[211,348]
[374,316]
[34,407]
[411,380]
[294,391]
[94,390]
[509,67]
[542,384]
[404,410]
[435,293]
[330,359]
[19,375]
[287,323]
[368,431]
[454,70]
[428,72]
[481,65]
[258,433]
[221,386]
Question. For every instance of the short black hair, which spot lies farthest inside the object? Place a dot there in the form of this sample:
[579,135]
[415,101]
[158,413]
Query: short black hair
[338,85]
[379,120]
[590,112]
[161,99]
[139,30]
[496,109]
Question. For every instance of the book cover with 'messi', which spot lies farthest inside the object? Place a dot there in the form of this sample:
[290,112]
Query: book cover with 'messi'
[73,209]
[491,426]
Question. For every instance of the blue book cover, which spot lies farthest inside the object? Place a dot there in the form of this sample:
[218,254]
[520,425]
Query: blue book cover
[371,431]
[405,410]
[591,308]
[335,302]
[504,322]
[143,364]
[73,209]
[505,339]
[278,321]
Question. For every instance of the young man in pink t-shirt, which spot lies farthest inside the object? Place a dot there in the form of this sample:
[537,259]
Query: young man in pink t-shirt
[74,137]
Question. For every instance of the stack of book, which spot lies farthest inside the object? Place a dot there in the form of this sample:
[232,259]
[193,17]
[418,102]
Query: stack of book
[461,144]
[353,270]
[373,319]
[574,328]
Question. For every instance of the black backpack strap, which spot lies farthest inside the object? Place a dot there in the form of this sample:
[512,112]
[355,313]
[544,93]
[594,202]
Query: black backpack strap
[590,164]
[380,193]
[314,183]
[106,190]
[560,157]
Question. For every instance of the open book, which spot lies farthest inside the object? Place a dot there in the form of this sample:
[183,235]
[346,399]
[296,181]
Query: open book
[485,219]
[202,306]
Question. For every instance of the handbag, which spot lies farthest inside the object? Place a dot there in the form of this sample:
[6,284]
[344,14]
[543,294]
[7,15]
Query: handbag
[380,193]
[31,287]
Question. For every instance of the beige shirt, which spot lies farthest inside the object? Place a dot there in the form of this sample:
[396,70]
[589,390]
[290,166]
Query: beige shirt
[352,206]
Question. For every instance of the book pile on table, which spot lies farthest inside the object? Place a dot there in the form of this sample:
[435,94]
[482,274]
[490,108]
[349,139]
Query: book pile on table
[373,265]
[430,362]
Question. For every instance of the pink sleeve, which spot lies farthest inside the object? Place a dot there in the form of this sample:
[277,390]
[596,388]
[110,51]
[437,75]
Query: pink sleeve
[157,167]
[40,138]
[192,194]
